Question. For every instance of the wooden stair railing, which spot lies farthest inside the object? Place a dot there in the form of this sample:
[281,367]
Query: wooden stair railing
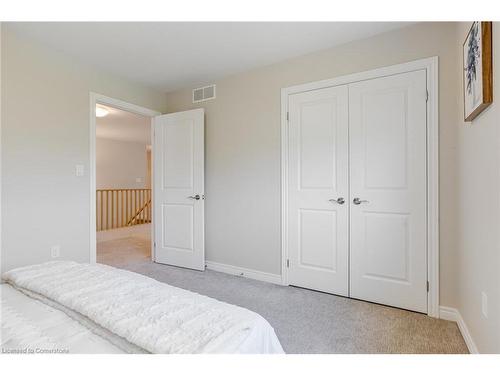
[117,208]
[139,217]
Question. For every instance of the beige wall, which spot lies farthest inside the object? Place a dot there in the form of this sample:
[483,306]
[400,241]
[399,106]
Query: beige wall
[45,133]
[478,210]
[119,163]
[243,144]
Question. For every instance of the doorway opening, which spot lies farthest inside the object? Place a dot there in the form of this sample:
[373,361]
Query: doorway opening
[121,182]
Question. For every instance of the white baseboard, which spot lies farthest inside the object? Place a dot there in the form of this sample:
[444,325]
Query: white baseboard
[244,272]
[450,313]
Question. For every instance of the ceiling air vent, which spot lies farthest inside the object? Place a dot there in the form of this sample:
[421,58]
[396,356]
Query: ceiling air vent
[203,94]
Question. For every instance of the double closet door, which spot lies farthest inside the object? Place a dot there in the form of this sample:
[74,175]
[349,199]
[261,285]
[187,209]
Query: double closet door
[357,190]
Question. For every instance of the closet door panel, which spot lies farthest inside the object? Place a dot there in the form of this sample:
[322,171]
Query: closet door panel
[317,177]
[387,135]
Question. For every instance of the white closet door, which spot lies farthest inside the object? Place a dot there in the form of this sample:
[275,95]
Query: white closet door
[178,190]
[317,177]
[387,122]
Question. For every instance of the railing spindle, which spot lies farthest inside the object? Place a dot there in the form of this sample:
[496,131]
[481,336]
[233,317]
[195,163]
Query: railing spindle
[106,210]
[129,204]
[143,202]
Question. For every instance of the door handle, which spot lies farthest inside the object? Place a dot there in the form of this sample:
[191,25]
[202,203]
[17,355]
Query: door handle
[195,197]
[338,200]
[359,201]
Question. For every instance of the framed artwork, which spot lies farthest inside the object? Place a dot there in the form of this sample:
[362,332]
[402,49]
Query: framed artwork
[478,70]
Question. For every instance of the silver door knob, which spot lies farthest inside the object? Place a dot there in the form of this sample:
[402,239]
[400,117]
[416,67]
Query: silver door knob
[338,200]
[359,201]
[195,197]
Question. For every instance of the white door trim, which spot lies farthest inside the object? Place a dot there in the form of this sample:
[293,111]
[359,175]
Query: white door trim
[120,104]
[431,67]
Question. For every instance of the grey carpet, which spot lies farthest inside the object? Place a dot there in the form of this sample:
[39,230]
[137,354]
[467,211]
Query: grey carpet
[305,321]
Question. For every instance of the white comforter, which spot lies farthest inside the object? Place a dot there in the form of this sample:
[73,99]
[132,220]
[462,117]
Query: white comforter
[135,311]
[30,326]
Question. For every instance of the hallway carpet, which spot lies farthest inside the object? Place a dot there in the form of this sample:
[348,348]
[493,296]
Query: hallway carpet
[305,321]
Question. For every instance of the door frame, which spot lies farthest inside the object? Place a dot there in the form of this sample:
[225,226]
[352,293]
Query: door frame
[95,99]
[430,65]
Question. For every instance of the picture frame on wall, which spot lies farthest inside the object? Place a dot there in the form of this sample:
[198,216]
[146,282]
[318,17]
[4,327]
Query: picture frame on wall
[478,70]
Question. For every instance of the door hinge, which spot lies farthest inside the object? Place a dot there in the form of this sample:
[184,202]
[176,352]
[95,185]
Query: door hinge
[154,244]
[426,95]
[288,263]
[428,287]
[287,116]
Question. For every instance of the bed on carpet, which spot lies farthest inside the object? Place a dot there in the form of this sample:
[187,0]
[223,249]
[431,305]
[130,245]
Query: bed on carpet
[93,308]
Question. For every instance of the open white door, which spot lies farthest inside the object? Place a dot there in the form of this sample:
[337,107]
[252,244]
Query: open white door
[178,189]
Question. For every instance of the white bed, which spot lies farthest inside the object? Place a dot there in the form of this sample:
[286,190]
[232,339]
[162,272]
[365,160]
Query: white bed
[93,308]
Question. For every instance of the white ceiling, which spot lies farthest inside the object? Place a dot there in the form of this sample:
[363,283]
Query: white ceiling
[123,126]
[172,55]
